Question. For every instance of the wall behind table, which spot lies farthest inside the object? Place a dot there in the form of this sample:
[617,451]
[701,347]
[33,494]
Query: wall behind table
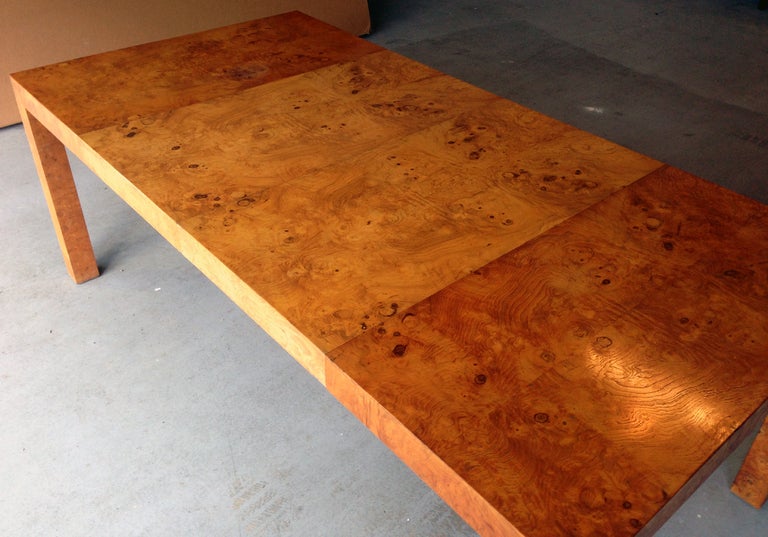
[39,32]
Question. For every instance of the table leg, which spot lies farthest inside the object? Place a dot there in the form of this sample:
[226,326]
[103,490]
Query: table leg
[63,202]
[751,484]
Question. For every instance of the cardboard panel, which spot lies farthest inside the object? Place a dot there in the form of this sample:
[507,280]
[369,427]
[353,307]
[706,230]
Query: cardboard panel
[38,32]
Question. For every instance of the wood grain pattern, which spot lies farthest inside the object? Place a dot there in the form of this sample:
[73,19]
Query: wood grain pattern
[105,89]
[347,193]
[532,317]
[574,366]
[751,483]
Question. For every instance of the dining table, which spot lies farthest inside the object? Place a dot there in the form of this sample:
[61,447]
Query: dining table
[561,336]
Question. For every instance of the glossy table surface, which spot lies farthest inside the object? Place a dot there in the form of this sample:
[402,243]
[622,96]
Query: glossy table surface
[559,335]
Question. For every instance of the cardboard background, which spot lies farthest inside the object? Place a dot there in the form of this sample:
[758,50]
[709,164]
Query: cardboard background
[39,32]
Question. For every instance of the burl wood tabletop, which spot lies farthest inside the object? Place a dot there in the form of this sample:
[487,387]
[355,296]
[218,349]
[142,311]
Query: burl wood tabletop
[580,380]
[555,332]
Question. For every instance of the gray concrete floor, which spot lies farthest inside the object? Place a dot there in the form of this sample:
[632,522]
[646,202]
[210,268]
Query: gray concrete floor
[145,403]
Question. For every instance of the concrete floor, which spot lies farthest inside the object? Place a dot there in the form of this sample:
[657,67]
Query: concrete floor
[145,403]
